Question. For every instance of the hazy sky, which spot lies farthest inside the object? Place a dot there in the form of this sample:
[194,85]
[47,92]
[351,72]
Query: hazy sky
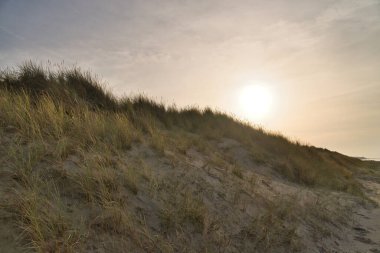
[321,59]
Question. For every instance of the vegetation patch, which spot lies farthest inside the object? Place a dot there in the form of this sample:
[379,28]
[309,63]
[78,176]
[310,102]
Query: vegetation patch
[83,171]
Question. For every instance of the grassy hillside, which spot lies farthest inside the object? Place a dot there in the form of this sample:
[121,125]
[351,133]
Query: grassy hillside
[84,171]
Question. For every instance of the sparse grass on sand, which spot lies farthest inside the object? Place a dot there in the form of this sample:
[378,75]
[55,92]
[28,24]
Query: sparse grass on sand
[84,171]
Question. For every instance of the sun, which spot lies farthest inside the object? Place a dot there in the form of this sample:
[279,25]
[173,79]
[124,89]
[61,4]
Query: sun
[256,101]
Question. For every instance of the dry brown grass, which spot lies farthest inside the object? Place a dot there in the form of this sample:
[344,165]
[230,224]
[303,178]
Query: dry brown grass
[68,146]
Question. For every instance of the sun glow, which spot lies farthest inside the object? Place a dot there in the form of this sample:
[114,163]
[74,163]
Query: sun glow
[256,101]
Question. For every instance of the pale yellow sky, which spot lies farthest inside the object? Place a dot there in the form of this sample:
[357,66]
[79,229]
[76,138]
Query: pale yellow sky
[320,58]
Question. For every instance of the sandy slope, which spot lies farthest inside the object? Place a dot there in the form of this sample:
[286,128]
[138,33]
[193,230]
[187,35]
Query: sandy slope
[233,201]
[365,233]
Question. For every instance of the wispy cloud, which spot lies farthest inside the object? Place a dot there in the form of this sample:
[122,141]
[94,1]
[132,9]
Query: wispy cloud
[10,33]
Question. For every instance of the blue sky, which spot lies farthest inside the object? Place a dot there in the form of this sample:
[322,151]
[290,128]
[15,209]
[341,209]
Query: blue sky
[320,58]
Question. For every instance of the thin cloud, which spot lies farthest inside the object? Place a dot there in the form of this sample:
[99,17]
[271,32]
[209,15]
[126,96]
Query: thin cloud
[10,33]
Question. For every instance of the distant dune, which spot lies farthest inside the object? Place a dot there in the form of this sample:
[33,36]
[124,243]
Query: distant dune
[370,159]
[82,171]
